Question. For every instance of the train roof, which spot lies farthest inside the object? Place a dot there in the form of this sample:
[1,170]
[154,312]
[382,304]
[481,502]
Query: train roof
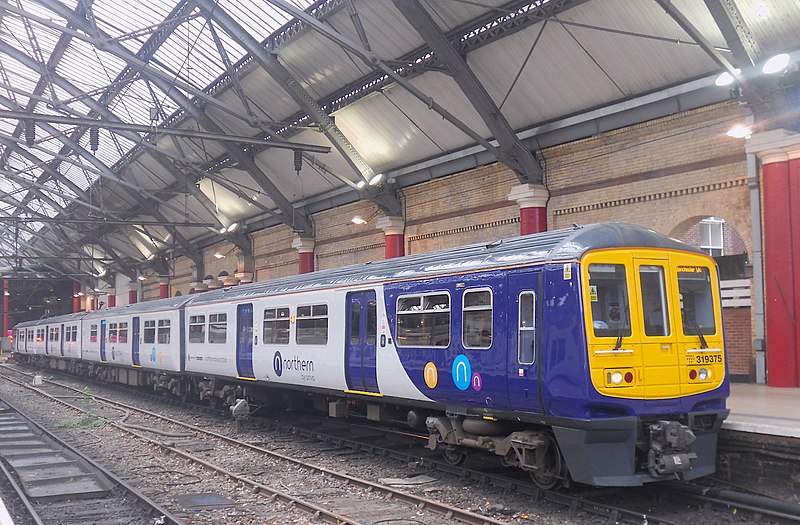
[65,318]
[551,246]
[169,303]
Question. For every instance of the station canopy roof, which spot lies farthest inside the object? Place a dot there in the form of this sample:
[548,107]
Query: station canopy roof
[132,131]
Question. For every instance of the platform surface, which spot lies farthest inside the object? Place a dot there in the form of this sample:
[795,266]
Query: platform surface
[761,409]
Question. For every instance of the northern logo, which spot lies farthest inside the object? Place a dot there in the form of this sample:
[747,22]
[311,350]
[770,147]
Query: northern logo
[277,364]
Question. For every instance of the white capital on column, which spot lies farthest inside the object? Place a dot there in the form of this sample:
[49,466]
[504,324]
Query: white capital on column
[529,195]
[303,244]
[391,225]
[774,145]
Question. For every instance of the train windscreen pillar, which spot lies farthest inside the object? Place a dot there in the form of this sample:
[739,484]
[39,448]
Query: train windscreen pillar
[532,201]
[111,294]
[305,251]
[779,153]
[163,287]
[394,236]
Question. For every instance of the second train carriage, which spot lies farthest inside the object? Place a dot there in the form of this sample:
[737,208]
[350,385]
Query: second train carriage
[592,353]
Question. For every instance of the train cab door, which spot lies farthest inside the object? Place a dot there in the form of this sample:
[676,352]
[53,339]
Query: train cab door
[61,337]
[656,329]
[361,349]
[523,341]
[103,337]
[244,341]
[135,341]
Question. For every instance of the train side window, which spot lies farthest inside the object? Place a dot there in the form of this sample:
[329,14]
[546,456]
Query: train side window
[197,328]
[654,300]
[372,322]
[526,353]
[217,328]
[149,332]
[123,333]
[163,331]
[476,319]
[312,325]
[54,334]
[423,320]
[276,326]
[697,303]
[355,323]
[608,294]
[112,332]
[93,333]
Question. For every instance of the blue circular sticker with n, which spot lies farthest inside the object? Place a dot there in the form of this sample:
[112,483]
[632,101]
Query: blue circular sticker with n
[277,364]
[462,372]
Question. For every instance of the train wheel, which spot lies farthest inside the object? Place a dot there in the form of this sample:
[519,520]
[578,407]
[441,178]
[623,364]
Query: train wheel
[454,455]
[551,471]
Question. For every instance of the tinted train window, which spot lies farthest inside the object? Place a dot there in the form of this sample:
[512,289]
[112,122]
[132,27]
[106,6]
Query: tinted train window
[93,333]
[372,322]
[123,333]
[197,329]
[312,325]
[476,319]
[217,328]
[697,304]
[112,332]
[654,300]
[526,353]
[149,336]
[423,320]
[608,294]
[276,326]
[163,331]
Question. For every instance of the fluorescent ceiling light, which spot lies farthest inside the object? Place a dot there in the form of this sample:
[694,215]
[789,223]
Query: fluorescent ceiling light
[360,184]
[376,179]
[776,64]
[232,227]
[739,132]
[726,79]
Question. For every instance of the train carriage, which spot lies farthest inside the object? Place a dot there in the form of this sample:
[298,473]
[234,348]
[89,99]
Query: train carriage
[593,354]
[62,336]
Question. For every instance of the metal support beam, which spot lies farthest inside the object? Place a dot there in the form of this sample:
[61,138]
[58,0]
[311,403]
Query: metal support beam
[511,151]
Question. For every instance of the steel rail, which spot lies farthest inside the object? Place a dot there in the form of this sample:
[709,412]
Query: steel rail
[319,512]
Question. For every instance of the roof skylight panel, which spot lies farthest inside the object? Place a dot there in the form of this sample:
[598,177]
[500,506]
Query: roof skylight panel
[80,177]
[260,17]
[133,29]
[88,67]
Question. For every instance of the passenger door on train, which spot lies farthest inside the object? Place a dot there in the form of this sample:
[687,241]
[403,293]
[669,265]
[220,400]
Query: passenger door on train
[523,341]
[656,329]
[360,345]
[244,341]
[61,337]
[135,359]
[103,336]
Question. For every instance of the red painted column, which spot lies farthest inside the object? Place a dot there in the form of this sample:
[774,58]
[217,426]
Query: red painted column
[779,279]
[112,297]
[89,303]
[5,307]
[394,236]
[133,295]
[163,287]
[532,200]
[305,250]
[794,207]
[76,299]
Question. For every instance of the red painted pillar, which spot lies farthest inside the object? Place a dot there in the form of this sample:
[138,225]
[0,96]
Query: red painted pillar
[532,200]
[133,294]
[393,231]
[112,297]
[76,299]
[305,250]
[779,278]
[89,303]
[794,207]
[163,287]
[6,294]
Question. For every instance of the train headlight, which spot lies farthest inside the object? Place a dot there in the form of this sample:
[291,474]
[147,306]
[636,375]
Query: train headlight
[616,378]
[703,374]
[619,377]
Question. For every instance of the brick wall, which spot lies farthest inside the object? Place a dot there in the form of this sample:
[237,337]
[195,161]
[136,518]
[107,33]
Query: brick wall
[738,342]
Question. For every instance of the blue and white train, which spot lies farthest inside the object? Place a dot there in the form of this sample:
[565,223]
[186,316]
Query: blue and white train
[591,354]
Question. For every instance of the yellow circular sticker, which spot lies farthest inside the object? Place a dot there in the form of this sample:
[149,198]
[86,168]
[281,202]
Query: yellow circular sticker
[431,375]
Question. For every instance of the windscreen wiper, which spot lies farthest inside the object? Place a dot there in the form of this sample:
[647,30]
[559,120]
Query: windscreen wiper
[703,344]
[619,340]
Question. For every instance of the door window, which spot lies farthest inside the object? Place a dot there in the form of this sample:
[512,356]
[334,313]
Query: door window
[697,303]
[654,300]
[476,319]
[527,328]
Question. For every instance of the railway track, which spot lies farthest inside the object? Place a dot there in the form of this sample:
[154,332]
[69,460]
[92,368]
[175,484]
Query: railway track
[54,483]
[374,441]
